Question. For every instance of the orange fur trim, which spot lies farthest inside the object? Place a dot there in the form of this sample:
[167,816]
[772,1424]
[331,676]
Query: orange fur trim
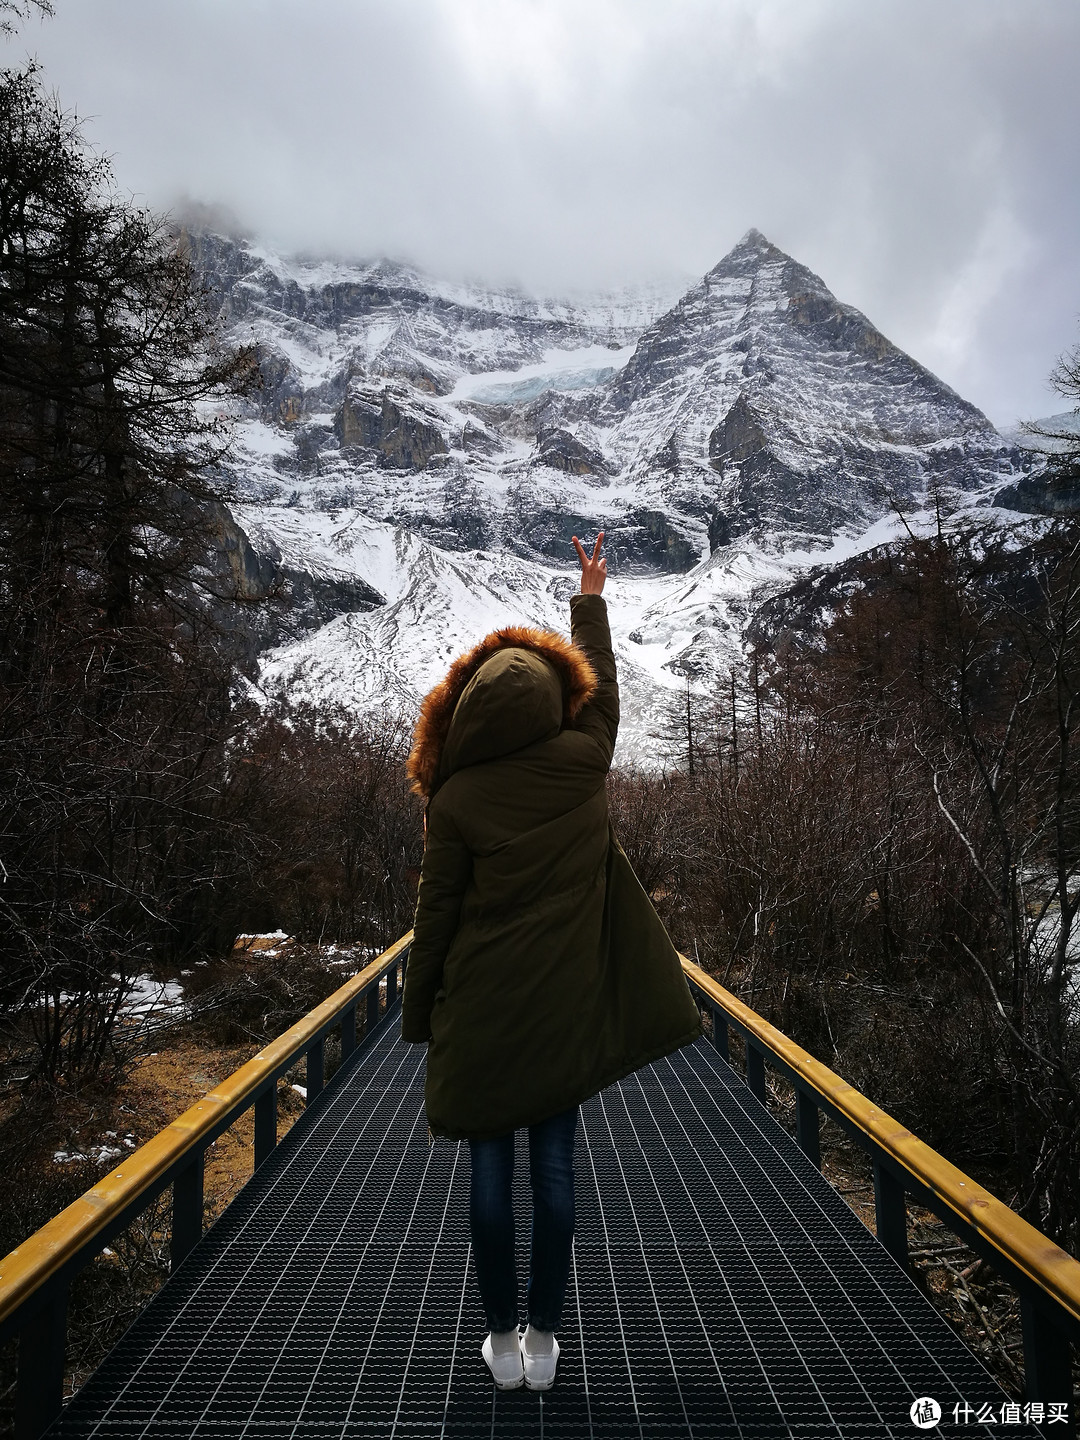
[437,709]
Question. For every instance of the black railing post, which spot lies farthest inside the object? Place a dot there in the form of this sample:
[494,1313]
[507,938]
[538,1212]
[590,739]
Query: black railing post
[372,1006]
[720,1032]
[755,1070]
[807,1125]
[187,1209]
[1047,1365]
[314,1071]
[265,1123]
[40,1395]
[391,985]
[348,1031]
[890,1210]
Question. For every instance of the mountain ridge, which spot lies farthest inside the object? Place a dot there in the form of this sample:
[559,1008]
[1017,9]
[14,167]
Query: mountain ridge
[752,426]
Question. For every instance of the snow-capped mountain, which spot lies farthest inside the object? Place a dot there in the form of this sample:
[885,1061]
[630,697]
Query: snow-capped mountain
[429,450]
[764,403]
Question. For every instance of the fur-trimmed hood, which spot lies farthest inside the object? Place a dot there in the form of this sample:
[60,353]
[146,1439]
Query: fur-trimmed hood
[517,686]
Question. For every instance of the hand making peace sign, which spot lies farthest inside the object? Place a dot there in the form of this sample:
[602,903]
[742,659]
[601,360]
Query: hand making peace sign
[593,572]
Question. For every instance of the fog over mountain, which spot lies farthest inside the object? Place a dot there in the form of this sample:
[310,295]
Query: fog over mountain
[921,156]
[422,452]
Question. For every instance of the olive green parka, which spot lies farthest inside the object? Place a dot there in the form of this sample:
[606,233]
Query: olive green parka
[539,970]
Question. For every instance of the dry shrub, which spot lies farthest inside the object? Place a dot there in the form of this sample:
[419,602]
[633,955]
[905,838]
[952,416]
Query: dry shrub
[255,994]
[339,835]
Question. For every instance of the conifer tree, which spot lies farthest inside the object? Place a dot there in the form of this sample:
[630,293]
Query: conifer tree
[114,696]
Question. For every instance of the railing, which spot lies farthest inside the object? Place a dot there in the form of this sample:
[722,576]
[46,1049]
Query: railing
[35,1277]
[1047,1278]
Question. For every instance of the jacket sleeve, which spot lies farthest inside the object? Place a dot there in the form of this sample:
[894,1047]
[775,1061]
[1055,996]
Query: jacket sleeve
[444,876]
[589,629]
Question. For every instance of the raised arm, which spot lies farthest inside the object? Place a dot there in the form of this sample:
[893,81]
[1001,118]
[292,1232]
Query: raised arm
[589,629]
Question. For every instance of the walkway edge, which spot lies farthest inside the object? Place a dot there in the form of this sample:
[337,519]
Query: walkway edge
[1044,1263]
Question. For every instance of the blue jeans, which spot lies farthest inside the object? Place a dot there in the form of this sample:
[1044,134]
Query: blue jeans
[491,1219]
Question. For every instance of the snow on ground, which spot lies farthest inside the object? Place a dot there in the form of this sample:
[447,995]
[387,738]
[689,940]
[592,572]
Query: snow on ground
[439,603]
[262,441]
[149,997]
[346,518]
[1065,424]
[95,1152]
[100,1152]
[387,660]
[338,544]
[146,997]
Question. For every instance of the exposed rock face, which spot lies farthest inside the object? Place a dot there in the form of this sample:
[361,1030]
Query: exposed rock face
[745,421]
[244,574]
[1047,493]
[477,439]
[793,620]
[667,460]
[757,406]
[809,417]
[561,451]
[388,321]
[738,437]
[259,600]
[400,436]
[797,615]
[536,527]
[311,600]
[281,396]
[465,514]
[649,539]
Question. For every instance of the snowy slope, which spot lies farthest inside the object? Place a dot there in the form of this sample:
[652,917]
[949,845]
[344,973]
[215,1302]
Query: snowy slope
[756,405]
[766,406]
[1050,434]
[442,443]
[438,604]
[667,630]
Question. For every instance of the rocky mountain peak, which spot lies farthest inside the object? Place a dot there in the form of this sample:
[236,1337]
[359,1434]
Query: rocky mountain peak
[758,404]
[766,279]
[422,452]
[753,249]
[762,405]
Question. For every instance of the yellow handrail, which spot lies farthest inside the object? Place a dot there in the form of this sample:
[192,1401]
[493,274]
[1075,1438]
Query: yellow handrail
[1043,1262]
[40,1256]
[30,1264]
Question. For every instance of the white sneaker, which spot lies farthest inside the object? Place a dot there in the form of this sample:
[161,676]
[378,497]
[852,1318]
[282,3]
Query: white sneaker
[507,1370]
[539,1369]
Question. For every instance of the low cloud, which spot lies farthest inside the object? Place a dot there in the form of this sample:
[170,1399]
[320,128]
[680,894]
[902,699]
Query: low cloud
[920,157]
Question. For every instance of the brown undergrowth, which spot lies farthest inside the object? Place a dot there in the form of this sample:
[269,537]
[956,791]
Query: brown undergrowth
[112,1290]
[56,1143]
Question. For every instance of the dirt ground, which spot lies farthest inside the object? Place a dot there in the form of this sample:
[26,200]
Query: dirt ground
[164,1084]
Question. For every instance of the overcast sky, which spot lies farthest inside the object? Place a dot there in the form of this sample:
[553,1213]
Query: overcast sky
[922,156]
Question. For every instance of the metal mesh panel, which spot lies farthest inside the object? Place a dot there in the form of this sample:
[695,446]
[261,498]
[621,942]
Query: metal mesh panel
[719,1287]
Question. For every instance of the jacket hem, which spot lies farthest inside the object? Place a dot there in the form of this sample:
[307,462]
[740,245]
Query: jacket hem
[620,1072]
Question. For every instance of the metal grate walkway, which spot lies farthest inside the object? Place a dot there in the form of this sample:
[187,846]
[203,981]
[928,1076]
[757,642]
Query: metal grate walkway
[720,1287]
